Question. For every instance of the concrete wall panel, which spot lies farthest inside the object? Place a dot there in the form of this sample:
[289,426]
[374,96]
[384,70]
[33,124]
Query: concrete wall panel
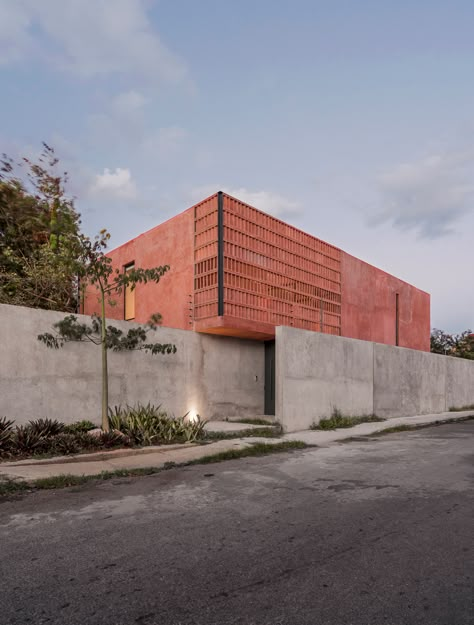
[222,376]
[408,382]
[459,382]
[215,376]
[317,373]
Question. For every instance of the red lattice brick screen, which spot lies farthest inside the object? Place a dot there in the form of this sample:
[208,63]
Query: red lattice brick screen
[205,259]
[273,272]
[278,274]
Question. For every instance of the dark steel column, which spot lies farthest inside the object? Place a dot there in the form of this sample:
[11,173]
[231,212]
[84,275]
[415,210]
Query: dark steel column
[220,254]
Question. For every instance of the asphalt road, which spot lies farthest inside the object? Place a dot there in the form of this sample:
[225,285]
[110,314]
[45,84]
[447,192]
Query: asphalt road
[362,533]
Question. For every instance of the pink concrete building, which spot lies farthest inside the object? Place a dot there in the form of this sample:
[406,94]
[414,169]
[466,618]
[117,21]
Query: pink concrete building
[237,271]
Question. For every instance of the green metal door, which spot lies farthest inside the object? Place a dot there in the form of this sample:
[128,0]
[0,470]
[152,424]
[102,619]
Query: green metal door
[270,377]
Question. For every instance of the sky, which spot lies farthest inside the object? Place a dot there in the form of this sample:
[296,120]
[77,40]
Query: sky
[352,120]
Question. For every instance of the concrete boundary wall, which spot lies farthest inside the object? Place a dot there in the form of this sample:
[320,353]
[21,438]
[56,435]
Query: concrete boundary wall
[318,373]
[222,377]
[409,382]
[213,375]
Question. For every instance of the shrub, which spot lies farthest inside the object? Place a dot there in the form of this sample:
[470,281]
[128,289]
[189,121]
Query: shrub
[45,437]
[142,425]
[63,444]
[87,441]
[76,442]
[27,440]
[112,439]
[46,427]
[80,426]
[6,435]
[150,425]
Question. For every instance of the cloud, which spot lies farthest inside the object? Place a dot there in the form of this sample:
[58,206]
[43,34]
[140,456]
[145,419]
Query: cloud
[88,38]
[165,143]
[116,184]
[121,123]
[15,40]
[429,195]
[267,201]
[129,103]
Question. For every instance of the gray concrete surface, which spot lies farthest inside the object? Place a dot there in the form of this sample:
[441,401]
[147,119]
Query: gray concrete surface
[353,534]
[317,373]
[459,382]
[214,376]
[232,426]
[29,471]
[324,438]
[408,382]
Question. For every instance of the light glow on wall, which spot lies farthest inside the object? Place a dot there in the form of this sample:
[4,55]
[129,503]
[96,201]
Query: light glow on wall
[192,415]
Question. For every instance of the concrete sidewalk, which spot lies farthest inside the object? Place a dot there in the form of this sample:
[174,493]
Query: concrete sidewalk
[78,465]
[325,438]
[94,464]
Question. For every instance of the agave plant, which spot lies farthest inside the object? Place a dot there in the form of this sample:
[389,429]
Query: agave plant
[27,440]
[6,434]
[112,438]
[194,429]
[64,444]
[46,427]
[150,425]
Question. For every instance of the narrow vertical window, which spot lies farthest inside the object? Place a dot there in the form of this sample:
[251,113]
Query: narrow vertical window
[397,320]
[129,297]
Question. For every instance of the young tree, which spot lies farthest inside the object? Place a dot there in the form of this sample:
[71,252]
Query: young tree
[39,235]
[96,270]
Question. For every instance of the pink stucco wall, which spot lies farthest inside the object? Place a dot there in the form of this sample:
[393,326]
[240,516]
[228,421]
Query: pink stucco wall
[171,243]
[369,306]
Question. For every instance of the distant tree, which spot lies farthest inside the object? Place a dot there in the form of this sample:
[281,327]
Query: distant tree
[441,342]
[458,345]
[39,234]
[464,347]
[96,270]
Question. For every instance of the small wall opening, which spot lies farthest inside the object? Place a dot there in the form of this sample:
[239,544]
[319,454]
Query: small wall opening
[397,320]
[129,297]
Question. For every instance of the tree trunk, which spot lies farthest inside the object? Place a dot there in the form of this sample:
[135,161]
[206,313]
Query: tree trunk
[105,375]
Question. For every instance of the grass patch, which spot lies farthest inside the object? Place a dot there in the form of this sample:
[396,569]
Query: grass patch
[420,426]
[11,487]
[253,421]
[59,481]
[401,428]
[267,432]
[461,408]
[257,449]
[338,420]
